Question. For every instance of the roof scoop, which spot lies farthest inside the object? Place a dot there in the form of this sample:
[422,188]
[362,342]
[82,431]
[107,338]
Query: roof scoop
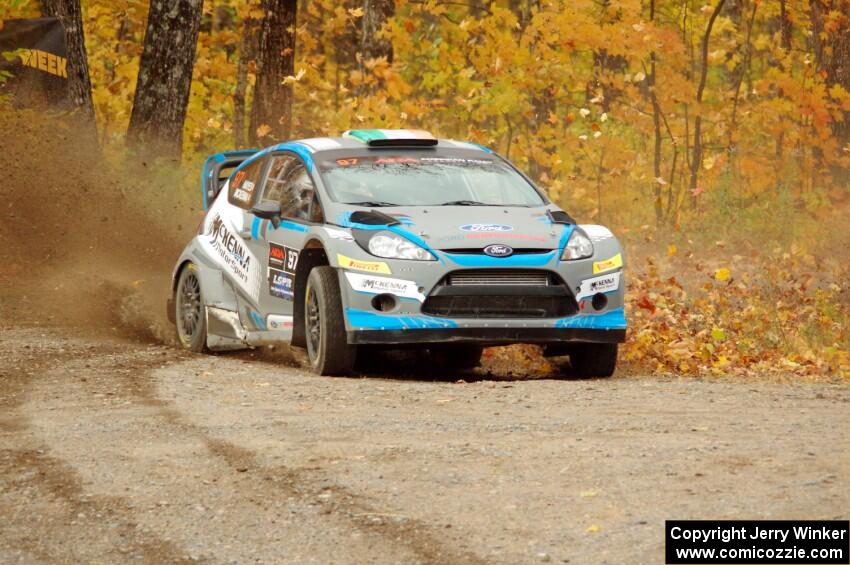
[393,137]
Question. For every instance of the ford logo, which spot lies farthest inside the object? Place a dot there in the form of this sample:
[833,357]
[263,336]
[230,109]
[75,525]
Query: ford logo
[486,227]
[498,250]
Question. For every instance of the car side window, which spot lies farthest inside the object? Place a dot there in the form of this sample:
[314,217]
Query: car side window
[243,190]
[290,184]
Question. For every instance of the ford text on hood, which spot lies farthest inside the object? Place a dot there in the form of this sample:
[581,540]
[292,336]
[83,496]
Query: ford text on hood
[393,238]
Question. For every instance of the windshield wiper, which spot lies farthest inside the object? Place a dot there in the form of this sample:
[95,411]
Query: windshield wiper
[373,203]
[465,203]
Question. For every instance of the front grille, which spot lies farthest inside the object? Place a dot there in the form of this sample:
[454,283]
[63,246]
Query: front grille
[499,277]
[498,306]
[500,293]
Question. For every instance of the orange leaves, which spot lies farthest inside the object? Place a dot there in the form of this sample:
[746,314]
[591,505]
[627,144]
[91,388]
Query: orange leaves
[786,315]
[643,301]
[263,130]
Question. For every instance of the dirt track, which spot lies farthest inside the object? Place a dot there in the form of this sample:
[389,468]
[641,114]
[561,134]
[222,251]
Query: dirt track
[116,447]
[113,451]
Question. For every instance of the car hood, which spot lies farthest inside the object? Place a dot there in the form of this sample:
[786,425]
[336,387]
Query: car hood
[475,227]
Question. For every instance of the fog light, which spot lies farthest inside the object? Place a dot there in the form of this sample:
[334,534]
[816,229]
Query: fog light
[383,302]
[599,301]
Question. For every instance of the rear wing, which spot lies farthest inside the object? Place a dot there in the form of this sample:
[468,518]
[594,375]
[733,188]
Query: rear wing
[217,169]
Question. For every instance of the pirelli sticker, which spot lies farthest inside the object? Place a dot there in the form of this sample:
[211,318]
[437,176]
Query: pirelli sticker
[614,262]
[368,266]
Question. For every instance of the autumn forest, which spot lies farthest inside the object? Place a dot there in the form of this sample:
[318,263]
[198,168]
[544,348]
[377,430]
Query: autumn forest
[713,136]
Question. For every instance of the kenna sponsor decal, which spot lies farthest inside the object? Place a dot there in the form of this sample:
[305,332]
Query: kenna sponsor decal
[230,248]
[486,228]
[384,285]
[220,239]
[604,283]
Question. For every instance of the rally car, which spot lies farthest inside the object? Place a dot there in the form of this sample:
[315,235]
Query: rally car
[394,239]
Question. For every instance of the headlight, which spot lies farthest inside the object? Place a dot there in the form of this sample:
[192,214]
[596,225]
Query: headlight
[391,246]
[578,247]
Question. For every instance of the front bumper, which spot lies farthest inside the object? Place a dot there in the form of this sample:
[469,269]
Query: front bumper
[372,327]
[486,336]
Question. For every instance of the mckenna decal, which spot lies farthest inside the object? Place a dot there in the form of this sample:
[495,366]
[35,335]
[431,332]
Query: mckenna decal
[486,227]
[370,266]
[384,285]
[276,322]
[234,254]
[283,258]
[611,263]
[604,283]
[281,285]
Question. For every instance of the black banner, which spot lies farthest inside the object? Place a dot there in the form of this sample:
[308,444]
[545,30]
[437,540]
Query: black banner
[33,62]
[761,542]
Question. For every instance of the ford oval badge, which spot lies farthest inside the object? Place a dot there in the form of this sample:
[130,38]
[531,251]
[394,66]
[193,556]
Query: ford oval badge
[497,250]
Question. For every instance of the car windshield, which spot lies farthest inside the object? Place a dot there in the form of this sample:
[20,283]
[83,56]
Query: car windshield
[400,180]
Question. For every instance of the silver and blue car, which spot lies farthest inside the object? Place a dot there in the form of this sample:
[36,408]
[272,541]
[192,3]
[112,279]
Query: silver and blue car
[394,239]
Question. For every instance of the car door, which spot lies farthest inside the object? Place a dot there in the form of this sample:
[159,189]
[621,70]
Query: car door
[287,182]
[225,236]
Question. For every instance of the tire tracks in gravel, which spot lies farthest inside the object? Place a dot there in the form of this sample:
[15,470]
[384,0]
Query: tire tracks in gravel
[32,470]
[421,539]
[130,369]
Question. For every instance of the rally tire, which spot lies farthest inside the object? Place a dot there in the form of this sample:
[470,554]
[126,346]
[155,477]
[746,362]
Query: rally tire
[594,359]
[328,349]
[189,311]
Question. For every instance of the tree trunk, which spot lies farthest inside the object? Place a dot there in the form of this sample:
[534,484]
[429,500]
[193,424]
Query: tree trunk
[832,53]
[272,107]
[656,126]
[165,77]
[375,15]
[247,55]
[79,83]
[696,162]
[522,9]
[742,72]
[784,25]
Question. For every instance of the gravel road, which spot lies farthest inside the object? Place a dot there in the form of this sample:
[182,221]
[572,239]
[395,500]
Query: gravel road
[115,451]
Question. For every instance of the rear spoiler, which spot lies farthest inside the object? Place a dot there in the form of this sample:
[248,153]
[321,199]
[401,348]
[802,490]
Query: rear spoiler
[217,169]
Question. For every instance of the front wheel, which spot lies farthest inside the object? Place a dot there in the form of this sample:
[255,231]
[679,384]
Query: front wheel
[594,359]
[189,315]
[327,346]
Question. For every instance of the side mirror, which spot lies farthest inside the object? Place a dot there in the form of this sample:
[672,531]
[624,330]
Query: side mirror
[268,211]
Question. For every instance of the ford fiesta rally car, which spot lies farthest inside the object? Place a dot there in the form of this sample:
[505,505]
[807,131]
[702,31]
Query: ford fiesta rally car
[396,239]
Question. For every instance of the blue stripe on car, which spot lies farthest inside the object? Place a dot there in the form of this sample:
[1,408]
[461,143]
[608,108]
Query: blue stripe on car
[611,320]
[565,238]
[299,149]
[523,260]
[258,321]
[345,221]
[365,320]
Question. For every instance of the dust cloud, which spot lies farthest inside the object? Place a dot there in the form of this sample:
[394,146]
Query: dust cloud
[87,238]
